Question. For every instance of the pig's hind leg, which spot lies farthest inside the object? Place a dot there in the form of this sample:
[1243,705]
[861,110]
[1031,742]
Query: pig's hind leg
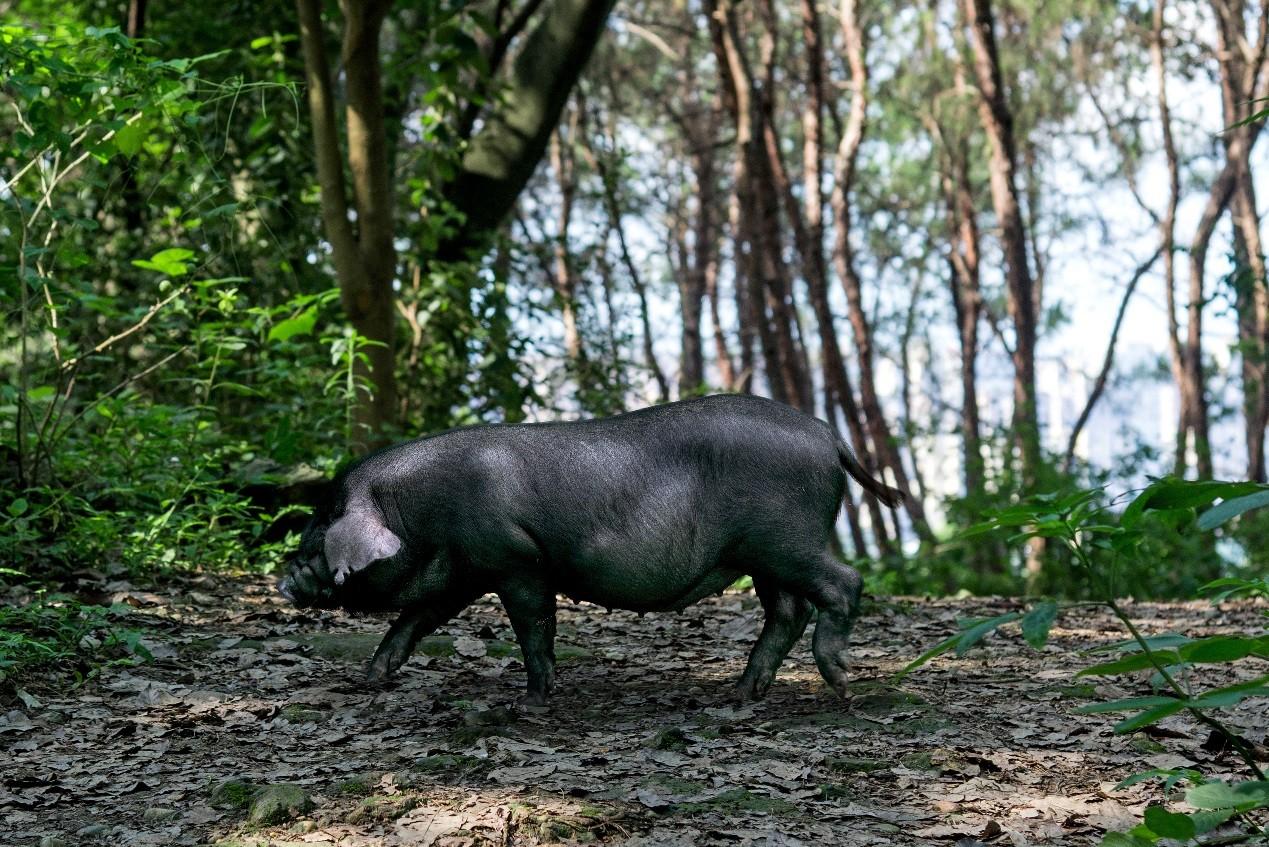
[785,619]
[835,588]
[531,609]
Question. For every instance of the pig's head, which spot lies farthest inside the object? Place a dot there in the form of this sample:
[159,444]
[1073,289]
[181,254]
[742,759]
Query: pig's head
[333,549]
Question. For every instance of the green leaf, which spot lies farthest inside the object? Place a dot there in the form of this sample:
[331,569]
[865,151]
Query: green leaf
[1225,699]
[1170,824]
[301,324]
[1219,649]
[1133,662]
[1208,820]
[43,392]
[1154,642]
[1153,773]
[974,630]
[1123,839]
[1036,623]
[172,261]
[935,651]
[1125,705]
[1149,716]
[1172,493]
[18,507]
[1232,508]
[1240,796]
[219,211]
[1219,698]
[981,630]
[129,138]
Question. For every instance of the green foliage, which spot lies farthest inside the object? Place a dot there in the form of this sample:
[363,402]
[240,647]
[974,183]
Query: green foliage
[1103,546]
[56,634]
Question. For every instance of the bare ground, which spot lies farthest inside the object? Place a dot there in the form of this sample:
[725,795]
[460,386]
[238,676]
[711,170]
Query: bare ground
[640,745]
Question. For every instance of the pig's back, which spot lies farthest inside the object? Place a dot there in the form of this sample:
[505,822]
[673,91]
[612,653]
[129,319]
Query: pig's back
[664,494]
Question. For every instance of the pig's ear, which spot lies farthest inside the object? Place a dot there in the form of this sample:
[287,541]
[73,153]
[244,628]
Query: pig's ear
[357,540]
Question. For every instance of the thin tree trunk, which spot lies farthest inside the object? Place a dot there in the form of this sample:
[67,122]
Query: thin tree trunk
[133,206]
[1167,229]
[768,286]
[563,279]
[1241,69]
[693,281]
[847,154]
[613,206]
[997,121]
[364,259]
[1108,361]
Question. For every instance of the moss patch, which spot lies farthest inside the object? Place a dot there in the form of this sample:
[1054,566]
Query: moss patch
[1145,744]
[446,762]
[275,804]
[349,647]
[847,764]
[670,738]
[437,646]
[1073,691]
[818,720]
[357,786]
[834,791]
[233,793]
[738,800]
[466,736]
[299,713]
[919,761]
[673,785]
[381,809]
[878,697]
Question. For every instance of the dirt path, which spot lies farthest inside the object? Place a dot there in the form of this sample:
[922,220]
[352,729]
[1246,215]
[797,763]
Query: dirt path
[639,747]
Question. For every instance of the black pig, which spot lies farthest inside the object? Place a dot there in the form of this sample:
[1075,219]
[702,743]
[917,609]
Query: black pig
[650,510]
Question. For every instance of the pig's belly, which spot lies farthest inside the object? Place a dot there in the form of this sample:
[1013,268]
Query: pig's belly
[645,589]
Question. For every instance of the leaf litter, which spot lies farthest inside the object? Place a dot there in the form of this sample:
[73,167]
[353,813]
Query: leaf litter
[247,699]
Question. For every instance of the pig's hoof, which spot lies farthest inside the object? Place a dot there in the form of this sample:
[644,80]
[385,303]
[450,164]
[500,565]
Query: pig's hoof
[378,675]
[532,699]
[834,671]
[751,689]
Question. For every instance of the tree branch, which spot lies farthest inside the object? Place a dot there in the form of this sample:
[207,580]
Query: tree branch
[504,154]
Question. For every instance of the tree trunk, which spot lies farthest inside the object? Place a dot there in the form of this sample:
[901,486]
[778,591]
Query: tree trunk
[847,154]
[1241,72]
[612,205]
[364,259]
[504,153]
[967,305]
[563,280]
[694,280]
[997,121]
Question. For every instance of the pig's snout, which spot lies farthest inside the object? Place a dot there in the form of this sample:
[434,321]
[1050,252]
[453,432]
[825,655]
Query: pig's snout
[302,587]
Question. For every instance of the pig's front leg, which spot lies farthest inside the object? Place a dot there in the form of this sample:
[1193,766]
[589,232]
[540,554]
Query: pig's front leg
[406,631]
[531,609]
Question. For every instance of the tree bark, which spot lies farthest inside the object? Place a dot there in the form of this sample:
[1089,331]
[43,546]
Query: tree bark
[562,279]
[996,118]
[847,154]
[967,304]
[364,258]
[504,153]
[1241,69]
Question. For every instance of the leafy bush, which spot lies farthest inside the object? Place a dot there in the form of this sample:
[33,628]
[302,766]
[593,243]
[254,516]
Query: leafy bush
[1108,552]
[55,634]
